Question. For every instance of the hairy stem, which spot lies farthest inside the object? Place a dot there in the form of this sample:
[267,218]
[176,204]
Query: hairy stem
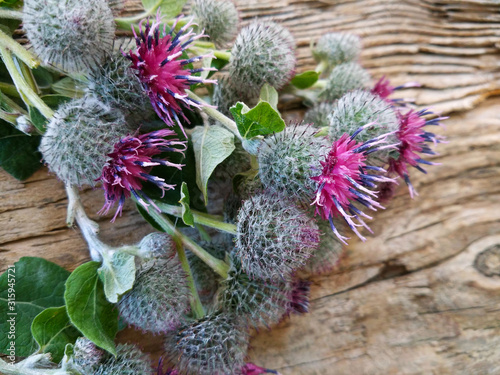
[202,218]
[22,86]
[196,305]
[216,115]
[219,266]
[26,367]
[27,57]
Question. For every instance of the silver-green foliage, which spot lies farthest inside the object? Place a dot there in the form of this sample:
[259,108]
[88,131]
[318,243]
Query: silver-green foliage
[72,35]
[344,78]
[274,237]
[78,138]
[219,19]
[213,345]
[160,296]
[337,48]
[263,52]
[289,159]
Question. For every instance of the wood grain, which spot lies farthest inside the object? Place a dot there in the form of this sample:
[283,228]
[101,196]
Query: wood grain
[421,296]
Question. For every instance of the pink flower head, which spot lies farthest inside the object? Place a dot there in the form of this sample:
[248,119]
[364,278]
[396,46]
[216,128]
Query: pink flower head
[129,164]
[345,178]
[413,141]
[384,89]
[251,369]
[160,66]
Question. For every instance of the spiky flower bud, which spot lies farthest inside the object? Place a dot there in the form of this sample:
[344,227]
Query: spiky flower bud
[214,345]
[79,137]
[73,35]
[337,48]
[115,83]
[257,301]
[274,237]
[219,19]
[129,360]
[264,52]
[159,298]
[358,108]
[157,245]
[289,159]
[86,356]
[318,115]
[344,78]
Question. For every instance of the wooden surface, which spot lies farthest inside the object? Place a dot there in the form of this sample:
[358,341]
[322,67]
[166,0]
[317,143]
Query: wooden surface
[422,296]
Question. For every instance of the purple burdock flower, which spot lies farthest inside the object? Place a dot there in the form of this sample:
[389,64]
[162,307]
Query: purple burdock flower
[346,179]
[160,66]
[251,369]
[129,165]
[413,140]
[299,301]
[384,89]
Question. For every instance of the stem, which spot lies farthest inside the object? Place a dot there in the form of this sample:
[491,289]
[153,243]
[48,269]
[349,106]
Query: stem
[11,14]
[219,266]
[98,249]
[202,218]
[216,115]
[22,85]
[196,305]
[9,89]
[222,55]
[27,57]
[322,66]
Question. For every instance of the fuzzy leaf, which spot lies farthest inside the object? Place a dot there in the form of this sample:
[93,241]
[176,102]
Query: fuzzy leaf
[117,275]
[169,8]
[305,80]
[263,119]
[35,285]
[212,145]
[269,94]
[19,154]
[52,330]
[187,216]
[68,87]
[88,308]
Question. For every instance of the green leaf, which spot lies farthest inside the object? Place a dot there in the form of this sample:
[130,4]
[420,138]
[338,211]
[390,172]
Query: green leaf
[269,94]
[43,77]
[187,215]
[54,101]
[37,119]
[305,80]
[217,64]
[169,8]
[211,145]
[69,87]
[19,154]
[52,330]
[88,308]
[34,284]
[263,119]
[117,275]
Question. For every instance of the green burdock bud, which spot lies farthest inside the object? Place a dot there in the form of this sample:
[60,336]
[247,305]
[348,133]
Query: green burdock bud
[257,301]
[318,115]
[329,251]
[289,159]
[160,296]
[116,84]
[219,19]
[274,237]
[129,360]
[79,137]
[344,78]
[226,95]
[86,356]
[72,35]
[337,48]
[157,245]
[264,52]
[359,108]
[205,279]
[214,345]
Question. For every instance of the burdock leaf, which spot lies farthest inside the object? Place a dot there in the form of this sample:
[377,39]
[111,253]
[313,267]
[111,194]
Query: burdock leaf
[305,80]
[187,215]
[212,145]
[52,330]
[26,289]
[88,308]
[117,275]
[263,119]
[269,94]
[168,8]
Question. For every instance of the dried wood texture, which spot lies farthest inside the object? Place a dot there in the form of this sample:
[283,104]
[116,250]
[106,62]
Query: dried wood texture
[422,295]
